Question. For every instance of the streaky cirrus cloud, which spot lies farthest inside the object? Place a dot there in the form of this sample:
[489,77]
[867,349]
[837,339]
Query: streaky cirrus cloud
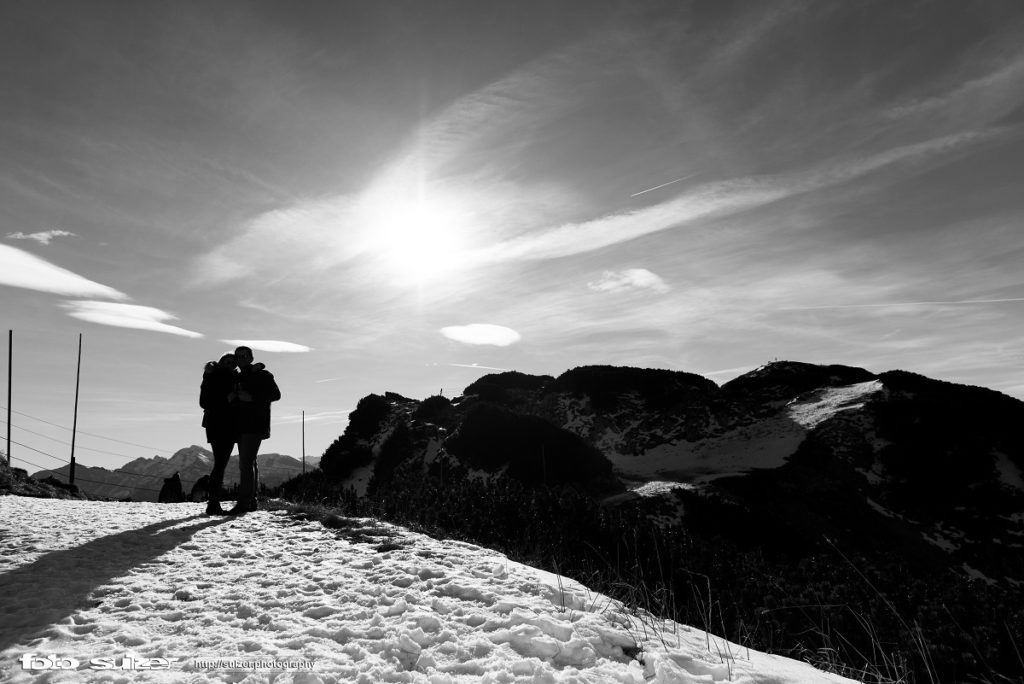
[316,233]
[482,333]
[127,316]
[320,416]
[629,279]
[478,366]
[875,305]
[735,372]
[275,346]
[328,231]
[19,268]
[43,237]
[716,199]
[990,93]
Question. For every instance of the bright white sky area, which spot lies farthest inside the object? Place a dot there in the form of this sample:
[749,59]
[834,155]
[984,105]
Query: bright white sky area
[403,196]
[92,580]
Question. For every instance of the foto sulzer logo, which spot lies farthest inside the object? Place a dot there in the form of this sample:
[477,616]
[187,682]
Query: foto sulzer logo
[36,662]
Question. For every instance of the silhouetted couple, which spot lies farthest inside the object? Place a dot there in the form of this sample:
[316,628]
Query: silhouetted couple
[236,396]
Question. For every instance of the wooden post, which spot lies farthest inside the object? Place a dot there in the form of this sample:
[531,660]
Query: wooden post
[74,424]
[10,356]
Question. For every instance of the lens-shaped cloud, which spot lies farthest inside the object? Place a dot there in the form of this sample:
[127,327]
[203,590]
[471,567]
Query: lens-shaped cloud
[629,279]
[270,346]
[482,333]
[126,316]
[18,268]
[43,237]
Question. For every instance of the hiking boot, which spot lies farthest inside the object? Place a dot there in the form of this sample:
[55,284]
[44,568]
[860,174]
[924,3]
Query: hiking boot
[239,509]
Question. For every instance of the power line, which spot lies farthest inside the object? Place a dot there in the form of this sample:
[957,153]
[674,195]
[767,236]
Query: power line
[56,458]
[59,441]
[34,464]
[111,439]
[83,479]
[67,462]
[100,451]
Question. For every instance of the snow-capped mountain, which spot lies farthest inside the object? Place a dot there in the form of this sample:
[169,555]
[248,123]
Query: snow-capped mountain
[141,479]
[811,454]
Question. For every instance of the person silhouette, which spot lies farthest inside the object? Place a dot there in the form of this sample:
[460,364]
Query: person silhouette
[219,380]
[255,389]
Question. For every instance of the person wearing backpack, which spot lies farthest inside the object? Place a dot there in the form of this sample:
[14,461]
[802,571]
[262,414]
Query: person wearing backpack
[219,380]
[255,390]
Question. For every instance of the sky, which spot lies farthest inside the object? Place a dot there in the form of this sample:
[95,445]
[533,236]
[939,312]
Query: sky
[404,196]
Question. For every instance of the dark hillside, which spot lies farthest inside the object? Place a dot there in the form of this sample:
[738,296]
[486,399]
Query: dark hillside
[534,451]
[17,481]
[657,388]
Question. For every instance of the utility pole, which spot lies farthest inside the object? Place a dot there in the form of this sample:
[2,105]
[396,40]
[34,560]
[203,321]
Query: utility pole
[74,424]
[10,356]
[303,442]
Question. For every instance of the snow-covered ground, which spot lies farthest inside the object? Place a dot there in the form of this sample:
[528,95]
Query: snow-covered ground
[93,591]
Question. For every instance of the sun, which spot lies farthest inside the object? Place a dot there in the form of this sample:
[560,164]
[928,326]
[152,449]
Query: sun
[416,240]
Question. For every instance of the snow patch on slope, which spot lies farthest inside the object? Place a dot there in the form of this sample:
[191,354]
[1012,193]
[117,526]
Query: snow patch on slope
[825,403]
[883,510]
[766,444]
[1009,473]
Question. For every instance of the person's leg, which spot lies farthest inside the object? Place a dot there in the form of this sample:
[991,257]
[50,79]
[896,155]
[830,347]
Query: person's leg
[255,482]
[248,447]
[221,455]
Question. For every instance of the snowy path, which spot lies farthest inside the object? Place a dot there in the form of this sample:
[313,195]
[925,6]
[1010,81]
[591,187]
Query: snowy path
[130,583]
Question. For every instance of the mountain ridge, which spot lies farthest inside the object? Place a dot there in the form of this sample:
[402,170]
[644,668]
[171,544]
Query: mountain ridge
[908,457]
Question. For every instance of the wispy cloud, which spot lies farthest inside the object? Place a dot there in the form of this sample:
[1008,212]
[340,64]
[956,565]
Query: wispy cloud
[460,154]
[317,234]
[735,372]
[127,316]
[477,366]
[42,238]
[318,417]
[276,346]
[21,269]
[482,333]
[629,279]
[875,305]
[987,95]
[712,200]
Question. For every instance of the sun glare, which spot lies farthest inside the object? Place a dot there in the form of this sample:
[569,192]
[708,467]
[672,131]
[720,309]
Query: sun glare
[417,240]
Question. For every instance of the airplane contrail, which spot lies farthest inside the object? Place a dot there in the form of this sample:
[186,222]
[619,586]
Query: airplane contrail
[883,304]
[659,187]
[474,365]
